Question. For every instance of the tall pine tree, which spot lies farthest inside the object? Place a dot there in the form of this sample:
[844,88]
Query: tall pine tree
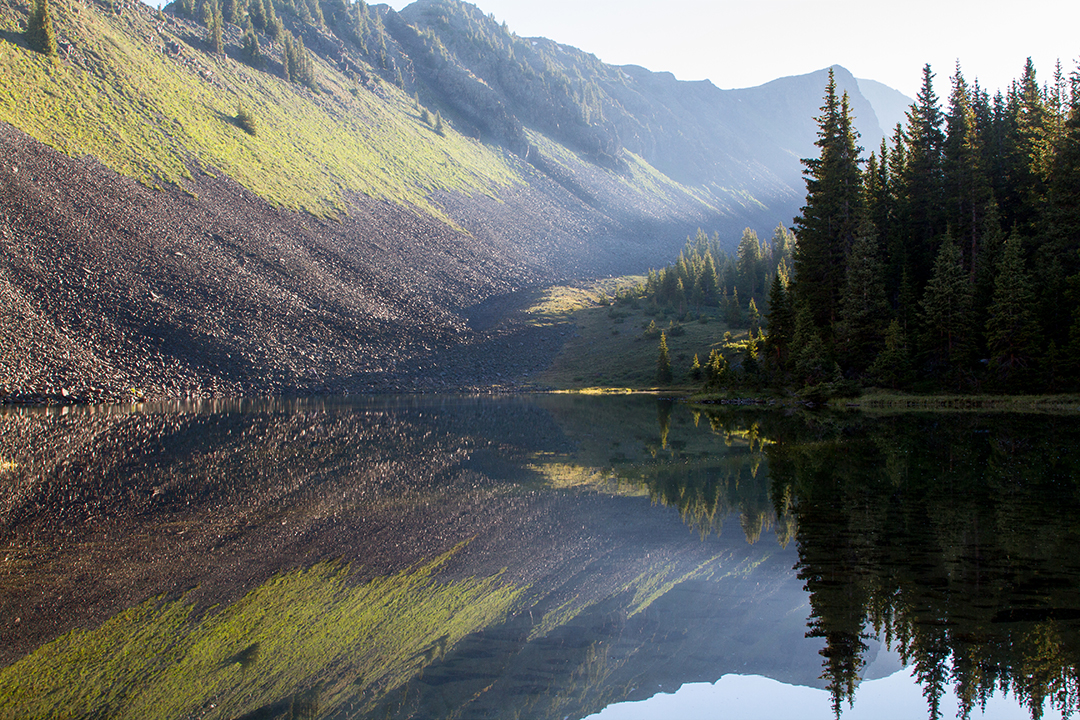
[828,225]
[1012,334]
[922,181]
[947,318]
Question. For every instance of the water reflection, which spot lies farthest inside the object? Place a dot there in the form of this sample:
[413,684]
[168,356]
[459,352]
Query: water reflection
[529,556]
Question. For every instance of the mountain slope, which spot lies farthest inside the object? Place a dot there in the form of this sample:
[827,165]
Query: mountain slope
[152,247]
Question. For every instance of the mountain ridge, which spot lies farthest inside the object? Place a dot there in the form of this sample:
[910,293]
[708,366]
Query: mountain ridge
[551,166]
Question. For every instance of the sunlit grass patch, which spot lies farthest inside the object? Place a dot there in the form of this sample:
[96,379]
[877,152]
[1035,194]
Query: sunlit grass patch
[155,118]
[613,346]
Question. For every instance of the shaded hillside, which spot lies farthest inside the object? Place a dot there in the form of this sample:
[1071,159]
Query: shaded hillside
[152,246]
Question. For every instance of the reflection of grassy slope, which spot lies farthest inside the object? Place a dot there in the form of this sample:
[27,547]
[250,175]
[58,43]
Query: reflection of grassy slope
[303,630]
[147,115]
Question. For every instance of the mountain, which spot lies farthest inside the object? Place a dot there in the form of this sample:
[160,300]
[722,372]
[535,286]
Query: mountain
[890,105]
[175,221]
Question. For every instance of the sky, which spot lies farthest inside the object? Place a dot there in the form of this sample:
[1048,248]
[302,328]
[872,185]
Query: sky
[747,43]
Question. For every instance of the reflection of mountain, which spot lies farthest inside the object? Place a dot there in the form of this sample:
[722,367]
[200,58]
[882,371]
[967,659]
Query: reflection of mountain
[228,517]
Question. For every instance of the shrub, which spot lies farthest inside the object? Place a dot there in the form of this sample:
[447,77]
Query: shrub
[246,120]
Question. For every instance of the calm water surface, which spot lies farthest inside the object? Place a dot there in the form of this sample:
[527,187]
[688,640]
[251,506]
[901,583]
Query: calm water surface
[536,557]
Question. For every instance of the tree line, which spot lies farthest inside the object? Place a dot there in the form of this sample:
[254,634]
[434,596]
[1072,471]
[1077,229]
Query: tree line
[948,259]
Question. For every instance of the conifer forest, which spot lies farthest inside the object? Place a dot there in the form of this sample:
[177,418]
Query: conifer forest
[948,259]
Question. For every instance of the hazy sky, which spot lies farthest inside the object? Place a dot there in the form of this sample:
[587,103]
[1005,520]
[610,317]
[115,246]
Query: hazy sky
[746,43]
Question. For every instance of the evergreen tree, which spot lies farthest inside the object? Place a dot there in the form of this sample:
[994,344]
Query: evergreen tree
[828,224]
[40,34]
[753,317]
[695,369]
[1012,333]
[947,318]
[922,180]
[217,39]
[863,309]
[438,123]
[750,262]
[249,45]
[966,186]
[663,363]
[781,323]
[809,354]
[781,247]
[892,367]
[1061,221]
[716,371]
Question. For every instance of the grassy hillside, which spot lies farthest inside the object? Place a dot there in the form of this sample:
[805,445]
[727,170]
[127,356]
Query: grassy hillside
[615,344]
[120,97]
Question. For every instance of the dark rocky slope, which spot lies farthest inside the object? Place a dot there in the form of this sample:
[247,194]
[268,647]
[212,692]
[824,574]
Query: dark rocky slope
[112,290]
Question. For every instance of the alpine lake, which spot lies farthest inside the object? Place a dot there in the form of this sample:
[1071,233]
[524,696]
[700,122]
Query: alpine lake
[536,556]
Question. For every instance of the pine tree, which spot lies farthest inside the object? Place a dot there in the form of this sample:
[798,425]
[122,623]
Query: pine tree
[40,34]
[1012,333]
[663,363]
[753,317]
[750,262]
[864,311]
[809,354]
[217,22]
[781,323]
[438,124]
[249,45]
[892,366]
[828,224]
[966,186]
[947,318]
[922,181]
[716,371]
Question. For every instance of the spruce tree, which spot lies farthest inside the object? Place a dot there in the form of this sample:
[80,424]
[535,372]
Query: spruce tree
[892,367]
[663,363]
[947,318]
[864,311]
[809,354]
[753,317]
[922,181]
[828,224]
[781,323]
[966,186]
[217,39]
[1012,334]
[40,34]
[750,262]
[249,45]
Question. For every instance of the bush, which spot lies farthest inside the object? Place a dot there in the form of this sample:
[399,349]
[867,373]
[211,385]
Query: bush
[245,120]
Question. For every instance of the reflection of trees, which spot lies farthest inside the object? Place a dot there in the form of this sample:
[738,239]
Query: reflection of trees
[705,490]
[956,538]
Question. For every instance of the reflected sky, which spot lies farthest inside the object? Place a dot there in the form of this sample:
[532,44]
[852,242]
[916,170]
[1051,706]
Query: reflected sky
[896,697]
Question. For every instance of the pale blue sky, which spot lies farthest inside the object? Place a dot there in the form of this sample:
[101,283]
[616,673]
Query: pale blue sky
[740,44]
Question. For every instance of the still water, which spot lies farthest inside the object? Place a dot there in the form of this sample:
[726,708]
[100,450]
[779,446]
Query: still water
[536,557]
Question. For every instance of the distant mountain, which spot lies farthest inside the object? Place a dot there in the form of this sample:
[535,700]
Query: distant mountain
[891,105]
[417,165]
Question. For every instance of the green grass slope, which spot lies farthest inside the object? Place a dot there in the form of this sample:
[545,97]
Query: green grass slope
[118,96]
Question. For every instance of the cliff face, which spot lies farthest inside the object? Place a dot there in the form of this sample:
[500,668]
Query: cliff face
[151,247]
